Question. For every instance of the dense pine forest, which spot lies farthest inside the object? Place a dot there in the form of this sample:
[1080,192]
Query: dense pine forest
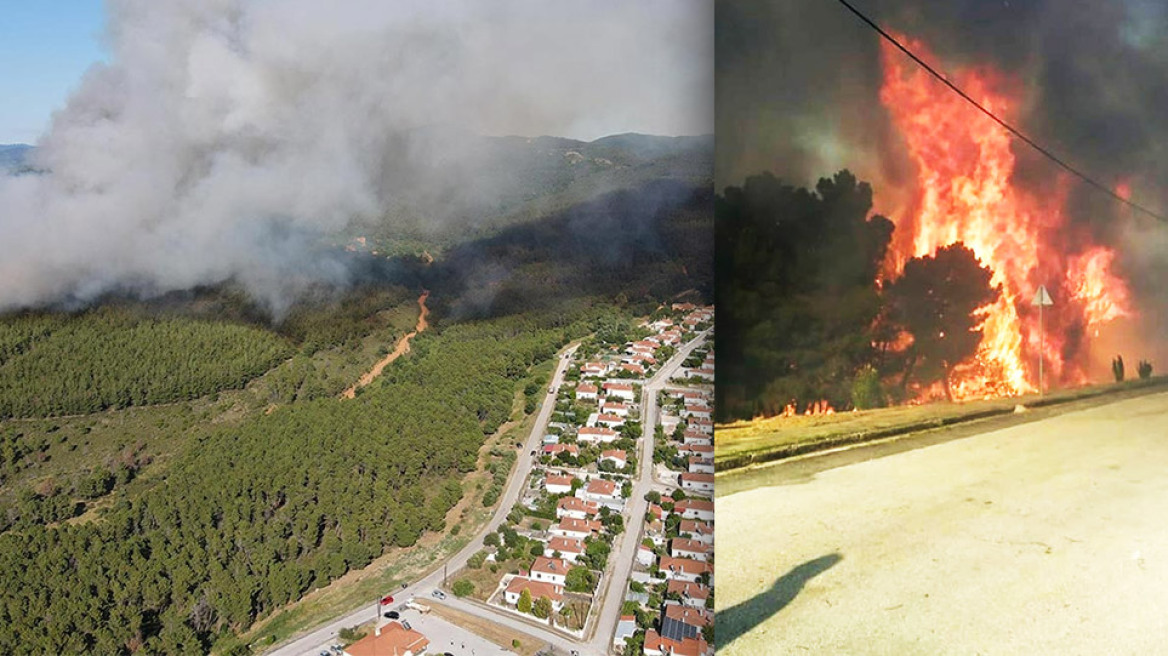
[256,516]
[110,359]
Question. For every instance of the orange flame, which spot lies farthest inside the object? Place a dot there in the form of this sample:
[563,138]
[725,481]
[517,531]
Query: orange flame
[964,192]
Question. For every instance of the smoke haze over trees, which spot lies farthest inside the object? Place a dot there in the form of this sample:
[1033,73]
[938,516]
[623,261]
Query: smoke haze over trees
[229,139]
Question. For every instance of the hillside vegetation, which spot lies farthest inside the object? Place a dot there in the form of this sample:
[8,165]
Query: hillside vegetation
[110,359]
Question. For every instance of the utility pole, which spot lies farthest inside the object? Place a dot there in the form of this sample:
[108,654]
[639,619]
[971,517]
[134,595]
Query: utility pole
[1041,298]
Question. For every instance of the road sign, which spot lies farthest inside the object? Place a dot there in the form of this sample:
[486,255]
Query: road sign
[1042,298]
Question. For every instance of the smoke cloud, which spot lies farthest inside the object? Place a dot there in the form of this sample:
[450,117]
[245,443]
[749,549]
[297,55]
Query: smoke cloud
[225,139]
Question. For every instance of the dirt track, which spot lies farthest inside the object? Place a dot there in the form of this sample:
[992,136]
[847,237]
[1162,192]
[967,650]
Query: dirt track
[1041,538]
[402,347]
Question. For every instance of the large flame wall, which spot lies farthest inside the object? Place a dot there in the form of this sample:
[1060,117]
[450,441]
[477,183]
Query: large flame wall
[965,192]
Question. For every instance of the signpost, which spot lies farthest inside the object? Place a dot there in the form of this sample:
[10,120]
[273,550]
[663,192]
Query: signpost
[1041,298]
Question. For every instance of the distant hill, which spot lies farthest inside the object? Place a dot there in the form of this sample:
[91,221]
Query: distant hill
[13,156]
[457,186]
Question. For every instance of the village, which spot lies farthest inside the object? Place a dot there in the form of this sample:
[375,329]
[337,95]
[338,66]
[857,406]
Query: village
[610,543]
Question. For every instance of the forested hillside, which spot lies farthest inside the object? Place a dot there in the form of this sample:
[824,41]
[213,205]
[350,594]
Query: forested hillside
[259,514]
[110,359]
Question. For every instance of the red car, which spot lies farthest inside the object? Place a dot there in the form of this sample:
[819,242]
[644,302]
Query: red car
[386,600]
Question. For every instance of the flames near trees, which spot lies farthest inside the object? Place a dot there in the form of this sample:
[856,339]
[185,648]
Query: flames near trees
[806,316]
[822,300]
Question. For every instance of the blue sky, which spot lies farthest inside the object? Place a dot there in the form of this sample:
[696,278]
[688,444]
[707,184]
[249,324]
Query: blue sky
[45,48]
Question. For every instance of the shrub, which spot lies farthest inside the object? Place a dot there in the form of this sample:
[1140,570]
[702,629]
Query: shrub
[1144,369]
[867,392]
[462,588]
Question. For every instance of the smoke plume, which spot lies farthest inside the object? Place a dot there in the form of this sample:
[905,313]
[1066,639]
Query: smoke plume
[226,139]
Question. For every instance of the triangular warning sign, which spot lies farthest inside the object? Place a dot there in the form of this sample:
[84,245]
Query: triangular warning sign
[1042,298]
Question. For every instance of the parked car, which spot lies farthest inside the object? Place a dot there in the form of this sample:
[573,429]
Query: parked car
[392,614]
[438,594]
[387,600]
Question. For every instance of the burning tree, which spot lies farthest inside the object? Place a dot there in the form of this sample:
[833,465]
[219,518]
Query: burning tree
[936,301]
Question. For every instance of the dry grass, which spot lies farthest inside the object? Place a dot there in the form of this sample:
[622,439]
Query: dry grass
[488,630]
[741,443]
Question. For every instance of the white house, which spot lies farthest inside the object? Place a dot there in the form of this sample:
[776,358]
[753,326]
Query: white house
[700,465]
[537,589]
[645,555]
[569,527]
[697,483]
[556,484]
[702,509]
[620,390]
[607,420]
[595,434]
[600,491]
[683,569]
[695,530]
[685,548]
[587,392]
[549,570]
[692,594]
[570,549]
[617,457]
[576,508]
[697,411]
[614,408]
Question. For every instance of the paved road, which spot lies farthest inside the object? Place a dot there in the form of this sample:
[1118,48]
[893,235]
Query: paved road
[625,549]
[309,643]
[1041,538]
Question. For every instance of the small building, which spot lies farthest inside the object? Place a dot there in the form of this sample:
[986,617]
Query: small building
[683,569]
[620,390]
[596,434]
[692,594]
[392,638]
[702,509]
[600,491]
[537,589]
[617,457]
[587,392]
[549,570]
[693,549]
[576,508]
[570,549]
[656,645]
[697,483]
[557,484]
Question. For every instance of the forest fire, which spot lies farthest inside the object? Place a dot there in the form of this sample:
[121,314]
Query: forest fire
[964,192]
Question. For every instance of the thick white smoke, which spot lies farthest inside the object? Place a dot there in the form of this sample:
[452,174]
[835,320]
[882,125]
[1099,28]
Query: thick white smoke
[225,137]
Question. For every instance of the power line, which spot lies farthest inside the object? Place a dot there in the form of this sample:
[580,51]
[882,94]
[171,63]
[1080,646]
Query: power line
[1051,156]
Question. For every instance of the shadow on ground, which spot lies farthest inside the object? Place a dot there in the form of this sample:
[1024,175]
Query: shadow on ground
[737,620]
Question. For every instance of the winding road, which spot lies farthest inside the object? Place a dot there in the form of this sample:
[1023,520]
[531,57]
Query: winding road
[402,347]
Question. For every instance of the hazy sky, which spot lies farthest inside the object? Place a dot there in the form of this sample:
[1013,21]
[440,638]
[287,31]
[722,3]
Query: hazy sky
[658,51]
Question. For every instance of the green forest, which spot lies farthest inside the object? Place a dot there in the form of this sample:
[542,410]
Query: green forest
[805,314]
[255,516]
[111,359]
